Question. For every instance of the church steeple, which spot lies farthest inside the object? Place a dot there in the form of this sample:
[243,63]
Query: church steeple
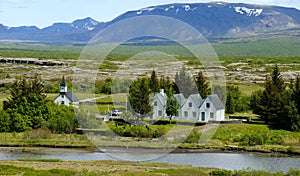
[63,86]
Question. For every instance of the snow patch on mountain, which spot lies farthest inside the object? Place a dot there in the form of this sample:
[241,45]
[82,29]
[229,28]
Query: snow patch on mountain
[186,7]
[149,9]
[168,8]
[248,12]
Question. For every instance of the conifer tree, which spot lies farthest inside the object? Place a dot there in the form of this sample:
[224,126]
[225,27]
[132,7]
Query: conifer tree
[167,85]
[202,85]
[184,83]
[154,84]
[139,100]
[296,93]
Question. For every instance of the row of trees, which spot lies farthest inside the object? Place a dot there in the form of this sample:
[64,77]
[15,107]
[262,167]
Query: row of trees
[278,105]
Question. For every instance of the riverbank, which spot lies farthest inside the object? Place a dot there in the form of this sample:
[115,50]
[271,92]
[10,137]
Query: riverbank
[229,137]
[51,167]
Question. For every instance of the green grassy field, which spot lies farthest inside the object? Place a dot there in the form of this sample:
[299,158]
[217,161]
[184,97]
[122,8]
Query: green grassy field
[266,47]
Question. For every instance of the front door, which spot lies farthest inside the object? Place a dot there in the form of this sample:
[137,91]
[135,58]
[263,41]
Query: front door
[202,116]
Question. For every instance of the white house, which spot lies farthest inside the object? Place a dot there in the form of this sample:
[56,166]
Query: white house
[212,109]
[65,97]
[159,104]
[192,108]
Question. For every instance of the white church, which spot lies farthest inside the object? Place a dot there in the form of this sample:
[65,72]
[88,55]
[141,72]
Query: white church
[65,97]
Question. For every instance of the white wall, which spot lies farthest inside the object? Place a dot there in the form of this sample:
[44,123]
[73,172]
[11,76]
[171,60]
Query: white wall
[157,108]
[190,111]
[219,115]
[60,99]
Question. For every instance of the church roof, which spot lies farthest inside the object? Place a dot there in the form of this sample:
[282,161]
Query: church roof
[63,82]
[71,97]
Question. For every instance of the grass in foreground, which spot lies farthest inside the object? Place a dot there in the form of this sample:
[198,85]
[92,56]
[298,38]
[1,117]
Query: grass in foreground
[122,168]
[41,139]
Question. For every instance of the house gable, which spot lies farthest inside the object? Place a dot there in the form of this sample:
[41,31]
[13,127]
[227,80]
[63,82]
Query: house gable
[159,105]
[190,109]
[212,109]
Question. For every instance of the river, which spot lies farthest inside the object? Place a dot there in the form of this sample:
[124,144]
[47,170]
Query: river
[229,161]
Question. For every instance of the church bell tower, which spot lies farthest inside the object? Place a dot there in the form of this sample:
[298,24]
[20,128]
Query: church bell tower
[63,86]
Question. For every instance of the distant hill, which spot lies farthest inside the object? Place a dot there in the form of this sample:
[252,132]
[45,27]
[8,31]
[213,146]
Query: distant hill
[215,21]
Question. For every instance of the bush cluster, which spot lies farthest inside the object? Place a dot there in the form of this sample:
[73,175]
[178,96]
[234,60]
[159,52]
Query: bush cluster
[128,130]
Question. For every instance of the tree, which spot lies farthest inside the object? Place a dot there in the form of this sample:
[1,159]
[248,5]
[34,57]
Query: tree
[235,101]
[62,119]
[139,93]
[184,83]
[271,101]
[172,107]
[26,105]
[107,86]
[202,85]
[296,93]
[220,91]
[255,100]
[277,105]
[5,122]
[230,108]
[154,84]
[167,85]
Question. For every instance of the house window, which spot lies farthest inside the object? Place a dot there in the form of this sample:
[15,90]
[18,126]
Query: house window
[190,104]
[160,113]
[212,115]
[155,103]
[194,114]
[207,105]
[186,114]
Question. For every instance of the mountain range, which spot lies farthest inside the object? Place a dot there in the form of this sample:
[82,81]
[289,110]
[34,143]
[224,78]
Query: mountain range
[213,20]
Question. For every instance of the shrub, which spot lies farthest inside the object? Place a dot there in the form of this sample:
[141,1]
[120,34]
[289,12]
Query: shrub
[252,140]
[139,131]
[220,173]
[277,139]
[41,133]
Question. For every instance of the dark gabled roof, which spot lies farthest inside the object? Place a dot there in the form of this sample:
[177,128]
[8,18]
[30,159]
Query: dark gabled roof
[196,98]
[216,101]
[180,98]
[63,81]
[71,97]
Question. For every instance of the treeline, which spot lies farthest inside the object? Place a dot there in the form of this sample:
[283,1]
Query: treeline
[28,108]
[278,105]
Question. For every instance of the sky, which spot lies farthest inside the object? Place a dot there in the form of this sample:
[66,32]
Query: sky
[43,13]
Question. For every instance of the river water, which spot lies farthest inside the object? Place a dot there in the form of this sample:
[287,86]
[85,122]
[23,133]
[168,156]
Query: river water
[229,161]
